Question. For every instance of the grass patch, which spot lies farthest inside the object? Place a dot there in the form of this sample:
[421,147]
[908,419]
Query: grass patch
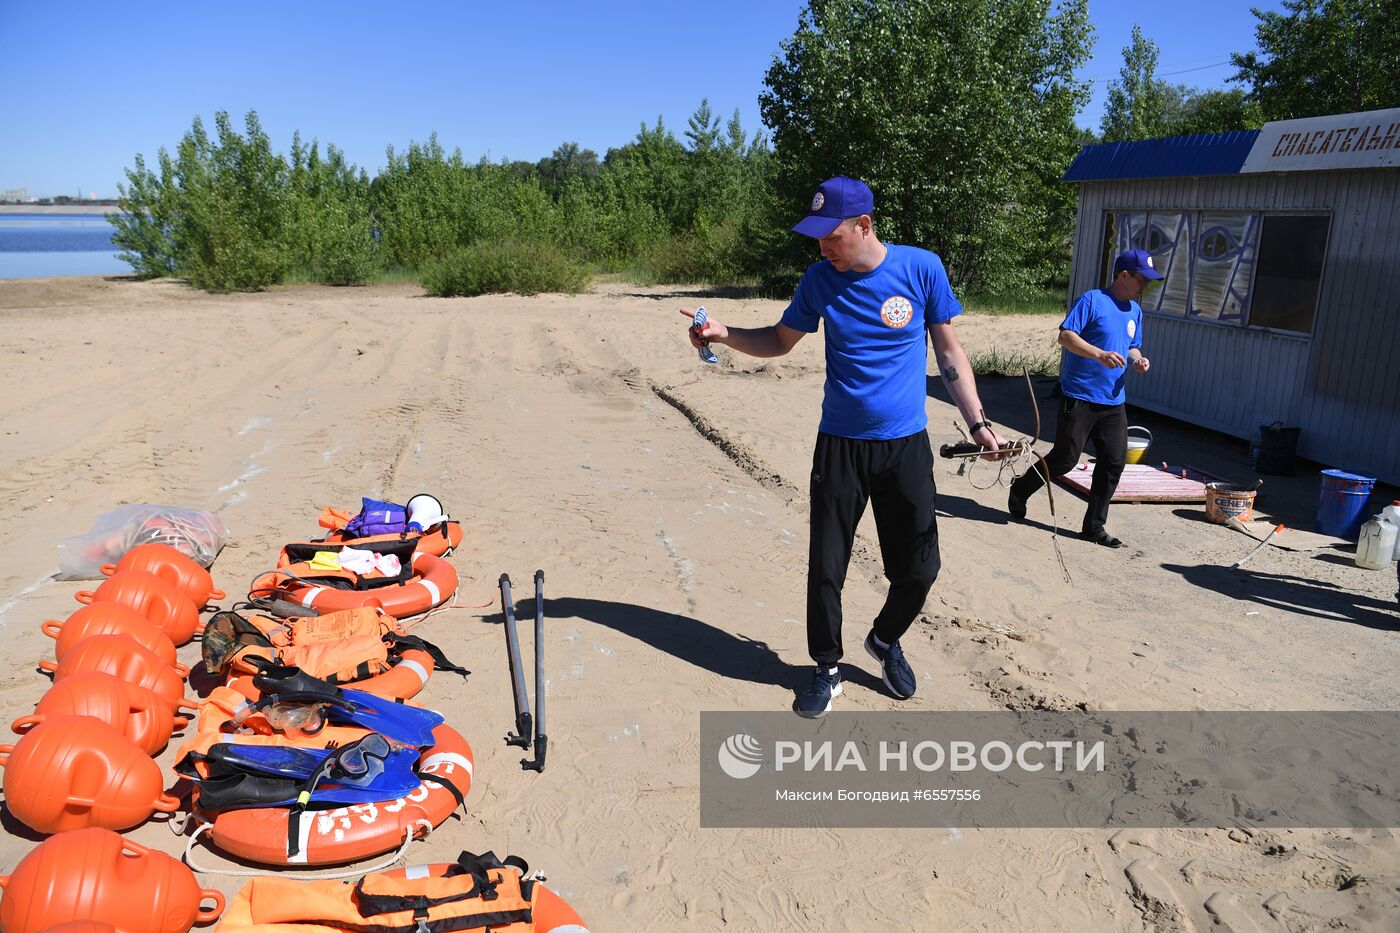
[504,266]
[1042,301]
[997,363]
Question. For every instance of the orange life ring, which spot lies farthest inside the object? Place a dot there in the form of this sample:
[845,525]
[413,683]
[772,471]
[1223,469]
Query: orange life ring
[551,913]
[403,681]
[347,834]
[434,582]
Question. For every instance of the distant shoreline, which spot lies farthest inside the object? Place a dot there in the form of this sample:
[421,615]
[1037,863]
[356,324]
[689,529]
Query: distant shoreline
[59,209]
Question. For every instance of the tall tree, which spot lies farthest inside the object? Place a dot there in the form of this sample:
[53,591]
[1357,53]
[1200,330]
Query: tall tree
[1138,102]
[958,113]
[1212,111]
[1324,56]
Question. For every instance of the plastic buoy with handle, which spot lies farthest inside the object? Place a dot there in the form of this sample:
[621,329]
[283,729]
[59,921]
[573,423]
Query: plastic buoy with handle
[125,659]
[93,879]
[151,596]
[75,772]
[170,565]
[109,619]
[142,716]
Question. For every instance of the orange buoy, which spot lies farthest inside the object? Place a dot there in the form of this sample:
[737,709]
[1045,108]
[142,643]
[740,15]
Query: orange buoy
[433,583]
[124,659]
[175,568]
[92,879]
[144,717]
[103,618]
[73,772]
[151,596]
[350,833]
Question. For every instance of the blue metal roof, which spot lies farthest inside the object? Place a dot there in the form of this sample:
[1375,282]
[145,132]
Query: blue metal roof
[1174,156]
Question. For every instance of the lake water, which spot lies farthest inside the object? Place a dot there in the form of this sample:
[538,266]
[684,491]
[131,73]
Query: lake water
[33,245]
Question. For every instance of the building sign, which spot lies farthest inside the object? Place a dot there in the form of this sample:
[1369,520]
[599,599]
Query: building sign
[1341,141]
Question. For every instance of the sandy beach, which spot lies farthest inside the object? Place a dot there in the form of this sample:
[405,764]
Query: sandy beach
[666,502]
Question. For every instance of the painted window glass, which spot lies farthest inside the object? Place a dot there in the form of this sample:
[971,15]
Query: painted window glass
[1124,230]
[1291,250]
[1168,239]
[1226,245]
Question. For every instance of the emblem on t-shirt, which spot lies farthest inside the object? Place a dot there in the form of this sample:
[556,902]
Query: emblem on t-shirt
[896,311]
[817,201]
[1132,328]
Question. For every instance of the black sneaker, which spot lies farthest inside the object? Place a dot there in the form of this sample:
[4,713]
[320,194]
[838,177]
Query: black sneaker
[894,670]
[815,701]
[1015,505]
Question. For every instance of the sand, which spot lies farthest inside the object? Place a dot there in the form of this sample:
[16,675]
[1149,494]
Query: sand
[666,503]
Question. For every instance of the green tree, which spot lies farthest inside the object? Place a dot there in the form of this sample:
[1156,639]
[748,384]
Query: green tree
[1138,103]
[958,113]
[568,161]
[1323,56]
[1212,111]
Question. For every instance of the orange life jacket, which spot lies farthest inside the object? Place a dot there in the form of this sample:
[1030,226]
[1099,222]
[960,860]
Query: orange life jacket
[477,893]
[344,646]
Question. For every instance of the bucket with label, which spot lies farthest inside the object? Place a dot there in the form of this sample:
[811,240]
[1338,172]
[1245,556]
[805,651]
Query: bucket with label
[1225,501]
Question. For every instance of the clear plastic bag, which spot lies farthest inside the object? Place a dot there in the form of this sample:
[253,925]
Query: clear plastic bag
[198,535]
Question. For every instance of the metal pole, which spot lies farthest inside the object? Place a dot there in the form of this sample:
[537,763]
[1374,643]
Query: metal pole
[541,740]
[521,737]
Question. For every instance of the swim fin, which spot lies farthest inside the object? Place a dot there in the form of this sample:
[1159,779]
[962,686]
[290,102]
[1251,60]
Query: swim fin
[368,770]
[285,761]
[397,721]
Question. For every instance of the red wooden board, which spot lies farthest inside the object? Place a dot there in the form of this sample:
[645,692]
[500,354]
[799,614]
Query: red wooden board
[1144,483]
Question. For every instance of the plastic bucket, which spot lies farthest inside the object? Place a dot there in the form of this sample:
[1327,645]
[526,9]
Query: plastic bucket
[1137,446]
[1341,503]
[1225,501]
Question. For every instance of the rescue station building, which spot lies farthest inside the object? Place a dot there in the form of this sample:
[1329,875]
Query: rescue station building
[1281,302]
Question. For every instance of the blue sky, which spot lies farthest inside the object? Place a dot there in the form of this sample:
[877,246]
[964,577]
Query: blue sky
[87,85]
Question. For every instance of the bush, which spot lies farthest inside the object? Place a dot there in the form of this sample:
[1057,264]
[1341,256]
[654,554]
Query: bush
[504,266]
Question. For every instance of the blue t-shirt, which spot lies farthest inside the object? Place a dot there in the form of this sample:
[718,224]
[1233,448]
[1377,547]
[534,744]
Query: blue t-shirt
[876,349]
[1108,325]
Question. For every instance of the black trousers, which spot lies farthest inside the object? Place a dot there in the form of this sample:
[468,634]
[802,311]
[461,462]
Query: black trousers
[1081,421]
[896,478]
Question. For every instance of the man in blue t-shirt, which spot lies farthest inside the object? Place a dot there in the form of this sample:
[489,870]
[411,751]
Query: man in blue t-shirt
[877,302]
[1101,337]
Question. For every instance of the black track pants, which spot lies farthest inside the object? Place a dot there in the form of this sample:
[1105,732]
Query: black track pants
[1079,422]
[896,478]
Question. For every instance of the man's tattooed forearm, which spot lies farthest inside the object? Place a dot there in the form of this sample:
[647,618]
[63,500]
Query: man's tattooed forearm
[950,374]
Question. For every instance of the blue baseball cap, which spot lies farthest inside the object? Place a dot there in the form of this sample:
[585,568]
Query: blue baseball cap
[836,199]
[1138,261]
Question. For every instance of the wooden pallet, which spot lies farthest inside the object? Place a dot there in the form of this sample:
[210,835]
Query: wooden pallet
[1142,482]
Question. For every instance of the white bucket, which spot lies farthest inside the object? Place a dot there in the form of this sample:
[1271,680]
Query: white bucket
[1137,446]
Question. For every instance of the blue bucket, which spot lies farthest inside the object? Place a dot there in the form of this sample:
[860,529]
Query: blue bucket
[1341,503]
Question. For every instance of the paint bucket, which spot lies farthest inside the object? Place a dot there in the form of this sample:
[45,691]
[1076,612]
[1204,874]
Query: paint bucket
[1341,503]
[1137,446]
[1225,501]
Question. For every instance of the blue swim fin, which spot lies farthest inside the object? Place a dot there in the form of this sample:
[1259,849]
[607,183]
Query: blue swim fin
[245,775]
[400,722]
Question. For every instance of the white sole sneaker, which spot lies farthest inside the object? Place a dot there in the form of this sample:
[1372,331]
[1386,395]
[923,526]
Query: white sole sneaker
[807,714]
